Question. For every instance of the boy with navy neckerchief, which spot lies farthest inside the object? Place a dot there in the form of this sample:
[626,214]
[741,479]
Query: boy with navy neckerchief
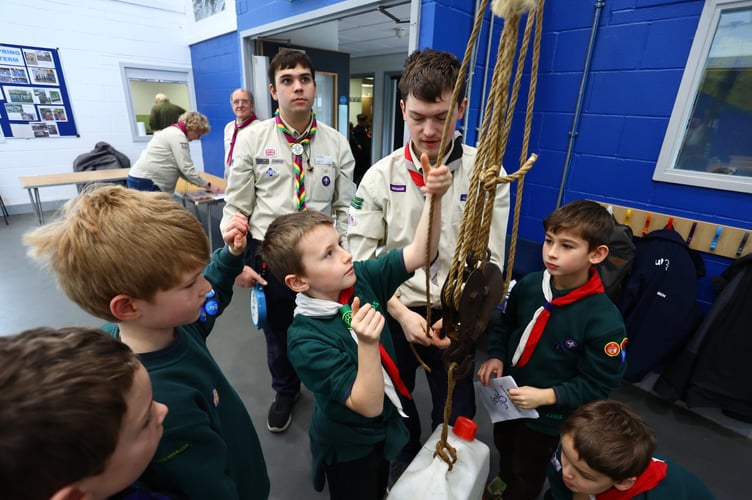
[286,164]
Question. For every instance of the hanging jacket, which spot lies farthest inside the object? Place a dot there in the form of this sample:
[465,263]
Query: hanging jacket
[659,301]
[712,370]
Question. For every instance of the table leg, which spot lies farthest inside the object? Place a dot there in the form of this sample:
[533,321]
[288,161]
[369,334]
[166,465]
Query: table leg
[36,204]
[209,225]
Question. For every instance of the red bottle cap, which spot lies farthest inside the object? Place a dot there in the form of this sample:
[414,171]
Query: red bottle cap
[465,428]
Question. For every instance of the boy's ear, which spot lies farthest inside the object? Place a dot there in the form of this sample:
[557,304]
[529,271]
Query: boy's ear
[625,484]
[599,254]
[273,91]
[70,492]
[296,283]
[122,307]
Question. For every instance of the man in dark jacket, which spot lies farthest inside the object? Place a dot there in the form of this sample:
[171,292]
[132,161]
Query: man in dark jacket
[163,113]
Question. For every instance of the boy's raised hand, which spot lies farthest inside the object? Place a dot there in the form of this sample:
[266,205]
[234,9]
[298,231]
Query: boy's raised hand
[367,322]
[437,179]
[235,233]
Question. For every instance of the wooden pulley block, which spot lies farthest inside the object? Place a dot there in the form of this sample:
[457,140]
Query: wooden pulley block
[481,294]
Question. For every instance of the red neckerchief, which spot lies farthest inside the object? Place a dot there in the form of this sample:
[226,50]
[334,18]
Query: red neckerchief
[238,126]
[593,286]
[653,474]
[417,176]
[182,127]
[391,368]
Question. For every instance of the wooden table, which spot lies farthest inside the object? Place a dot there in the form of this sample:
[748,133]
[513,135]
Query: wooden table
[187,192]
[32,183]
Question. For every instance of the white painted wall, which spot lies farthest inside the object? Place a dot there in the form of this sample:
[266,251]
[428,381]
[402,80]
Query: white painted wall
[93,38]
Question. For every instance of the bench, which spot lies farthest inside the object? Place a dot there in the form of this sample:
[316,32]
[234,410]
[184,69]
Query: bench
[32,183]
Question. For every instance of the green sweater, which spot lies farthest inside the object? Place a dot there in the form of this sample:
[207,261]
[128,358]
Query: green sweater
[579,354]
[325,357]
[679,484]
[209,449]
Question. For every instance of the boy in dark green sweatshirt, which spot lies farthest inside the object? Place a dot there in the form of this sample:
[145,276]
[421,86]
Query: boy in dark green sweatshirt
[340,345]
[139,260]
[606,453]
[562,340]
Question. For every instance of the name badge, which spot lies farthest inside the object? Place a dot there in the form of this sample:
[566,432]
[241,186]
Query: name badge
[397,188]
[323,160]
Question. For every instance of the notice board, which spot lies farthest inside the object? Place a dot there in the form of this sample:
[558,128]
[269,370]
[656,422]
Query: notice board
[34,101]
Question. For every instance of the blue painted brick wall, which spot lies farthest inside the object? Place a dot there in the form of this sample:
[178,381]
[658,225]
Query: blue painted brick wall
[216,73]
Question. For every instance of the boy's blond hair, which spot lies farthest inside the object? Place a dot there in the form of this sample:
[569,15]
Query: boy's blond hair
[63,395]
[611,438]
[584,218]
[280,248]
[111,240]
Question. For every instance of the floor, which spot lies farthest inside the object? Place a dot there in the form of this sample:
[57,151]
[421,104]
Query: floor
[717,450]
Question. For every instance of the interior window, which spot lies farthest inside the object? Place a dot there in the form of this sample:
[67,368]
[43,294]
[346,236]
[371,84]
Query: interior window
[143,84]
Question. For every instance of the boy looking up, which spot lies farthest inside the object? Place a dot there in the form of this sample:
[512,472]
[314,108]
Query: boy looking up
[77,419]
[282,165]
[606,453]
[385,212]
[356,425]
[562,340]
[139,260]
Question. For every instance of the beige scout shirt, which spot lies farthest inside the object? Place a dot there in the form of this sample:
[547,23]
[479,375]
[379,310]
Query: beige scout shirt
[387,207]
[167,157]
[261,183]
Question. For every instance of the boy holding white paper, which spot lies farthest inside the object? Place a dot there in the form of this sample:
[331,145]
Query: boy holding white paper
[561,338]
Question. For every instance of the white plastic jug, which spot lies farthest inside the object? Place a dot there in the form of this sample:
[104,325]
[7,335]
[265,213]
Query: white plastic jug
[430,478]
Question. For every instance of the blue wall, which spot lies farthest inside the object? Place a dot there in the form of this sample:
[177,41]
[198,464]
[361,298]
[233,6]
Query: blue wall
[217,71]
[253,13]
[640,53]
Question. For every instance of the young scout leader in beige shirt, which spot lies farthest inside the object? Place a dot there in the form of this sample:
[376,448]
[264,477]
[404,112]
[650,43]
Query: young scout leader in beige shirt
[285,164]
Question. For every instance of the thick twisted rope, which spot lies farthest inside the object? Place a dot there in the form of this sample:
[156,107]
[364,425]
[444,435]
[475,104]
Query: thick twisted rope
[472,244]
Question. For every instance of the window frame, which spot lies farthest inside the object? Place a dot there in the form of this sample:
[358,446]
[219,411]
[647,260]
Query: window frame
[665,170]
[153,74]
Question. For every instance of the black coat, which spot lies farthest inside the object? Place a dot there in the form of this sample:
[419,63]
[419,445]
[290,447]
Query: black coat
[102,157]
[659,301]
[713,371]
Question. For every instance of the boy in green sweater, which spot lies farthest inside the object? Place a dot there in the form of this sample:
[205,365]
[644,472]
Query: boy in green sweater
[78,419]
[606,453]
[139,260]
[340,346]
[562,340]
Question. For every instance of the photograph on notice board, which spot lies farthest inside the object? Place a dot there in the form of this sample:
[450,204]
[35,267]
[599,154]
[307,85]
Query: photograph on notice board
[45,96]
[40,130]
[53,113]
[38,58]
[43,76]
[52,130]
[21,112]
[19,94]
[13,74]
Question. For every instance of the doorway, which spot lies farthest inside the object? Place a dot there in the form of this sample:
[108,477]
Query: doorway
[377,36]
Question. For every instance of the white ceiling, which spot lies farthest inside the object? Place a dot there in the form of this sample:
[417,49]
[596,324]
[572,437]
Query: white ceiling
[373,33]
